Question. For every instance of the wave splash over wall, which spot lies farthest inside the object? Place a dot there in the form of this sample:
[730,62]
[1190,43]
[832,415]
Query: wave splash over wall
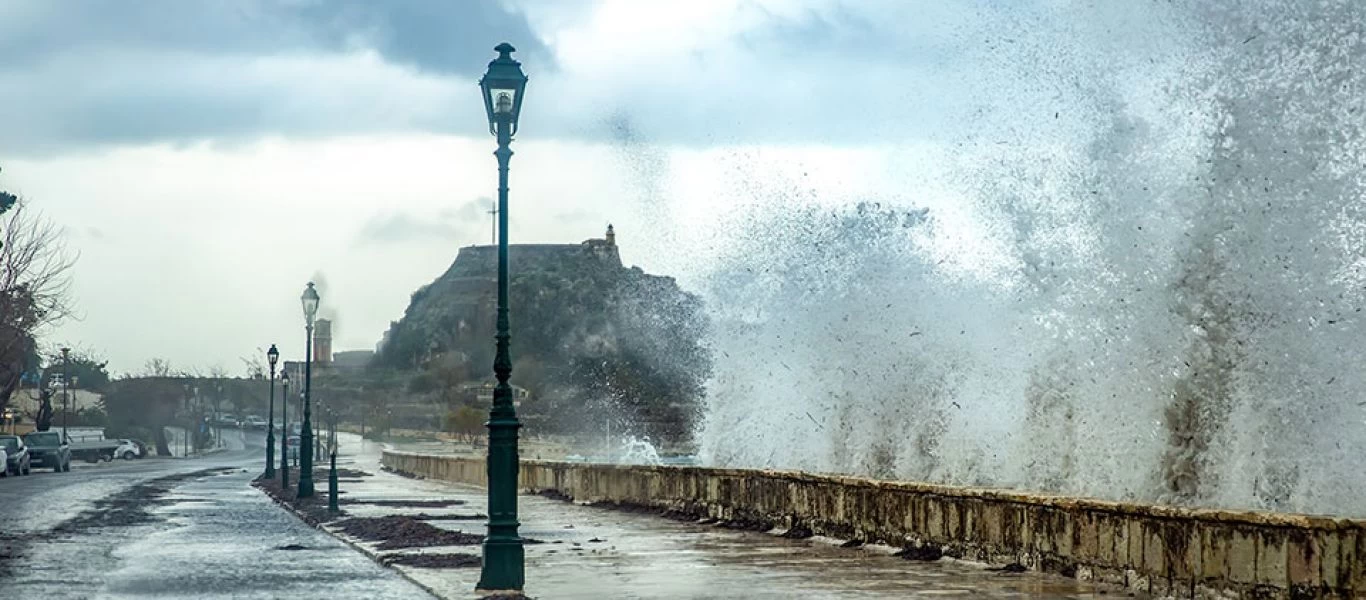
[1161,300]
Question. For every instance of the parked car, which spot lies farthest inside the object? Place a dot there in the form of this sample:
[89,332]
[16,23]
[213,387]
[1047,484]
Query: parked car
[17,459]
[227,420]
[49,449]
[129,450]
[254,422]
[90,445]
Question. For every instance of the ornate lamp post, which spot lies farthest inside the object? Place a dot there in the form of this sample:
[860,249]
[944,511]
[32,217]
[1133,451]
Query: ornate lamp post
[284,429]
[310,304]
[272,357]
[503,569]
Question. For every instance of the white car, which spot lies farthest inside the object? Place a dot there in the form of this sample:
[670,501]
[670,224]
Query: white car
[4,460]
[128,450]
[254,422]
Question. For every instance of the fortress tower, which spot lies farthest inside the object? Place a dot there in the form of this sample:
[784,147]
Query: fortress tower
[322,342]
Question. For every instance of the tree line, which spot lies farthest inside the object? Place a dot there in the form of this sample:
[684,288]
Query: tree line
[35,285]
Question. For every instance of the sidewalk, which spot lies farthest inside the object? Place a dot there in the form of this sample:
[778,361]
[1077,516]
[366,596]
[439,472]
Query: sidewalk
[177,530]
[589,552]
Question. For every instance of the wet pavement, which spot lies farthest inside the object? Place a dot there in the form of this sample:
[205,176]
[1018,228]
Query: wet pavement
[173,528]
[592,552]
[196,528]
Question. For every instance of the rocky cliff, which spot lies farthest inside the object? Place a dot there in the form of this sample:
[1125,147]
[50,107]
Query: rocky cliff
[599,346]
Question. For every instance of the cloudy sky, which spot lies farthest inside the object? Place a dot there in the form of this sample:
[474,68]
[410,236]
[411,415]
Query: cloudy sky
[208,158]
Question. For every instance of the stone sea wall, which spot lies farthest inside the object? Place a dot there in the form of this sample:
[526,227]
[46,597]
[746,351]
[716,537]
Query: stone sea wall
[1159,549]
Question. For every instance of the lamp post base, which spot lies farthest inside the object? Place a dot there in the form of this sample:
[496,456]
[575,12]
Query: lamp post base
[270,456]
[503,566]
[332,485]
[305,487]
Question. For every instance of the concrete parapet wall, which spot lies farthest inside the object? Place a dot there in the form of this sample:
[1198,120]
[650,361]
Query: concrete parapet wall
[1159,549]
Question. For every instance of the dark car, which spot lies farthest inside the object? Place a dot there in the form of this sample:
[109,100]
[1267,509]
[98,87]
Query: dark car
[49,449]
[16,452]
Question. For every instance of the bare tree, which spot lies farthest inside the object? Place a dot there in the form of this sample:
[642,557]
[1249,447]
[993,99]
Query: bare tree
[156,367]
[34,288]
[256,368]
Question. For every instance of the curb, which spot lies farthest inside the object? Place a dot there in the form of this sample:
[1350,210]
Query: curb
[203,454]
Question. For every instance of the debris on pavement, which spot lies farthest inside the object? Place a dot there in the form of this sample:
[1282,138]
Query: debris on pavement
[312,510]
[924,553]
[401,531]
[405,503]
[451,517]
[131,507]
[431,561]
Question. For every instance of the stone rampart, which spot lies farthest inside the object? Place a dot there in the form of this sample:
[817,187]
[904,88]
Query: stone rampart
[1164,550]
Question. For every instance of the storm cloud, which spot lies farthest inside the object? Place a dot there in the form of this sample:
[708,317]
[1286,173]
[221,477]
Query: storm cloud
[99,73]
[438,37]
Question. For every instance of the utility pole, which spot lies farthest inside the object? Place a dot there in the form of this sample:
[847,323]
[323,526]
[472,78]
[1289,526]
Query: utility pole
[494,217]
[66,387]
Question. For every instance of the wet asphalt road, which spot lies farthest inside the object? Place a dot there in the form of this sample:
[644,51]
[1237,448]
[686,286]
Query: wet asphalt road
[173,528]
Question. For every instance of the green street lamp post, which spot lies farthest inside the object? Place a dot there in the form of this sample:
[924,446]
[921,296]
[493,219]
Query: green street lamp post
[332,482]
[272,357]
[332,470]
[284,429]
[503,568]
[310,304]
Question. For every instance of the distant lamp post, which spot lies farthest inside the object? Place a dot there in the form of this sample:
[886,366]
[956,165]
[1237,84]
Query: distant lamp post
[318,439]
[310,304]
[185,439]
[503,568]
[272,357]
[196,420]
[332,474]
[218,414]
[284,429]
[66,387]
